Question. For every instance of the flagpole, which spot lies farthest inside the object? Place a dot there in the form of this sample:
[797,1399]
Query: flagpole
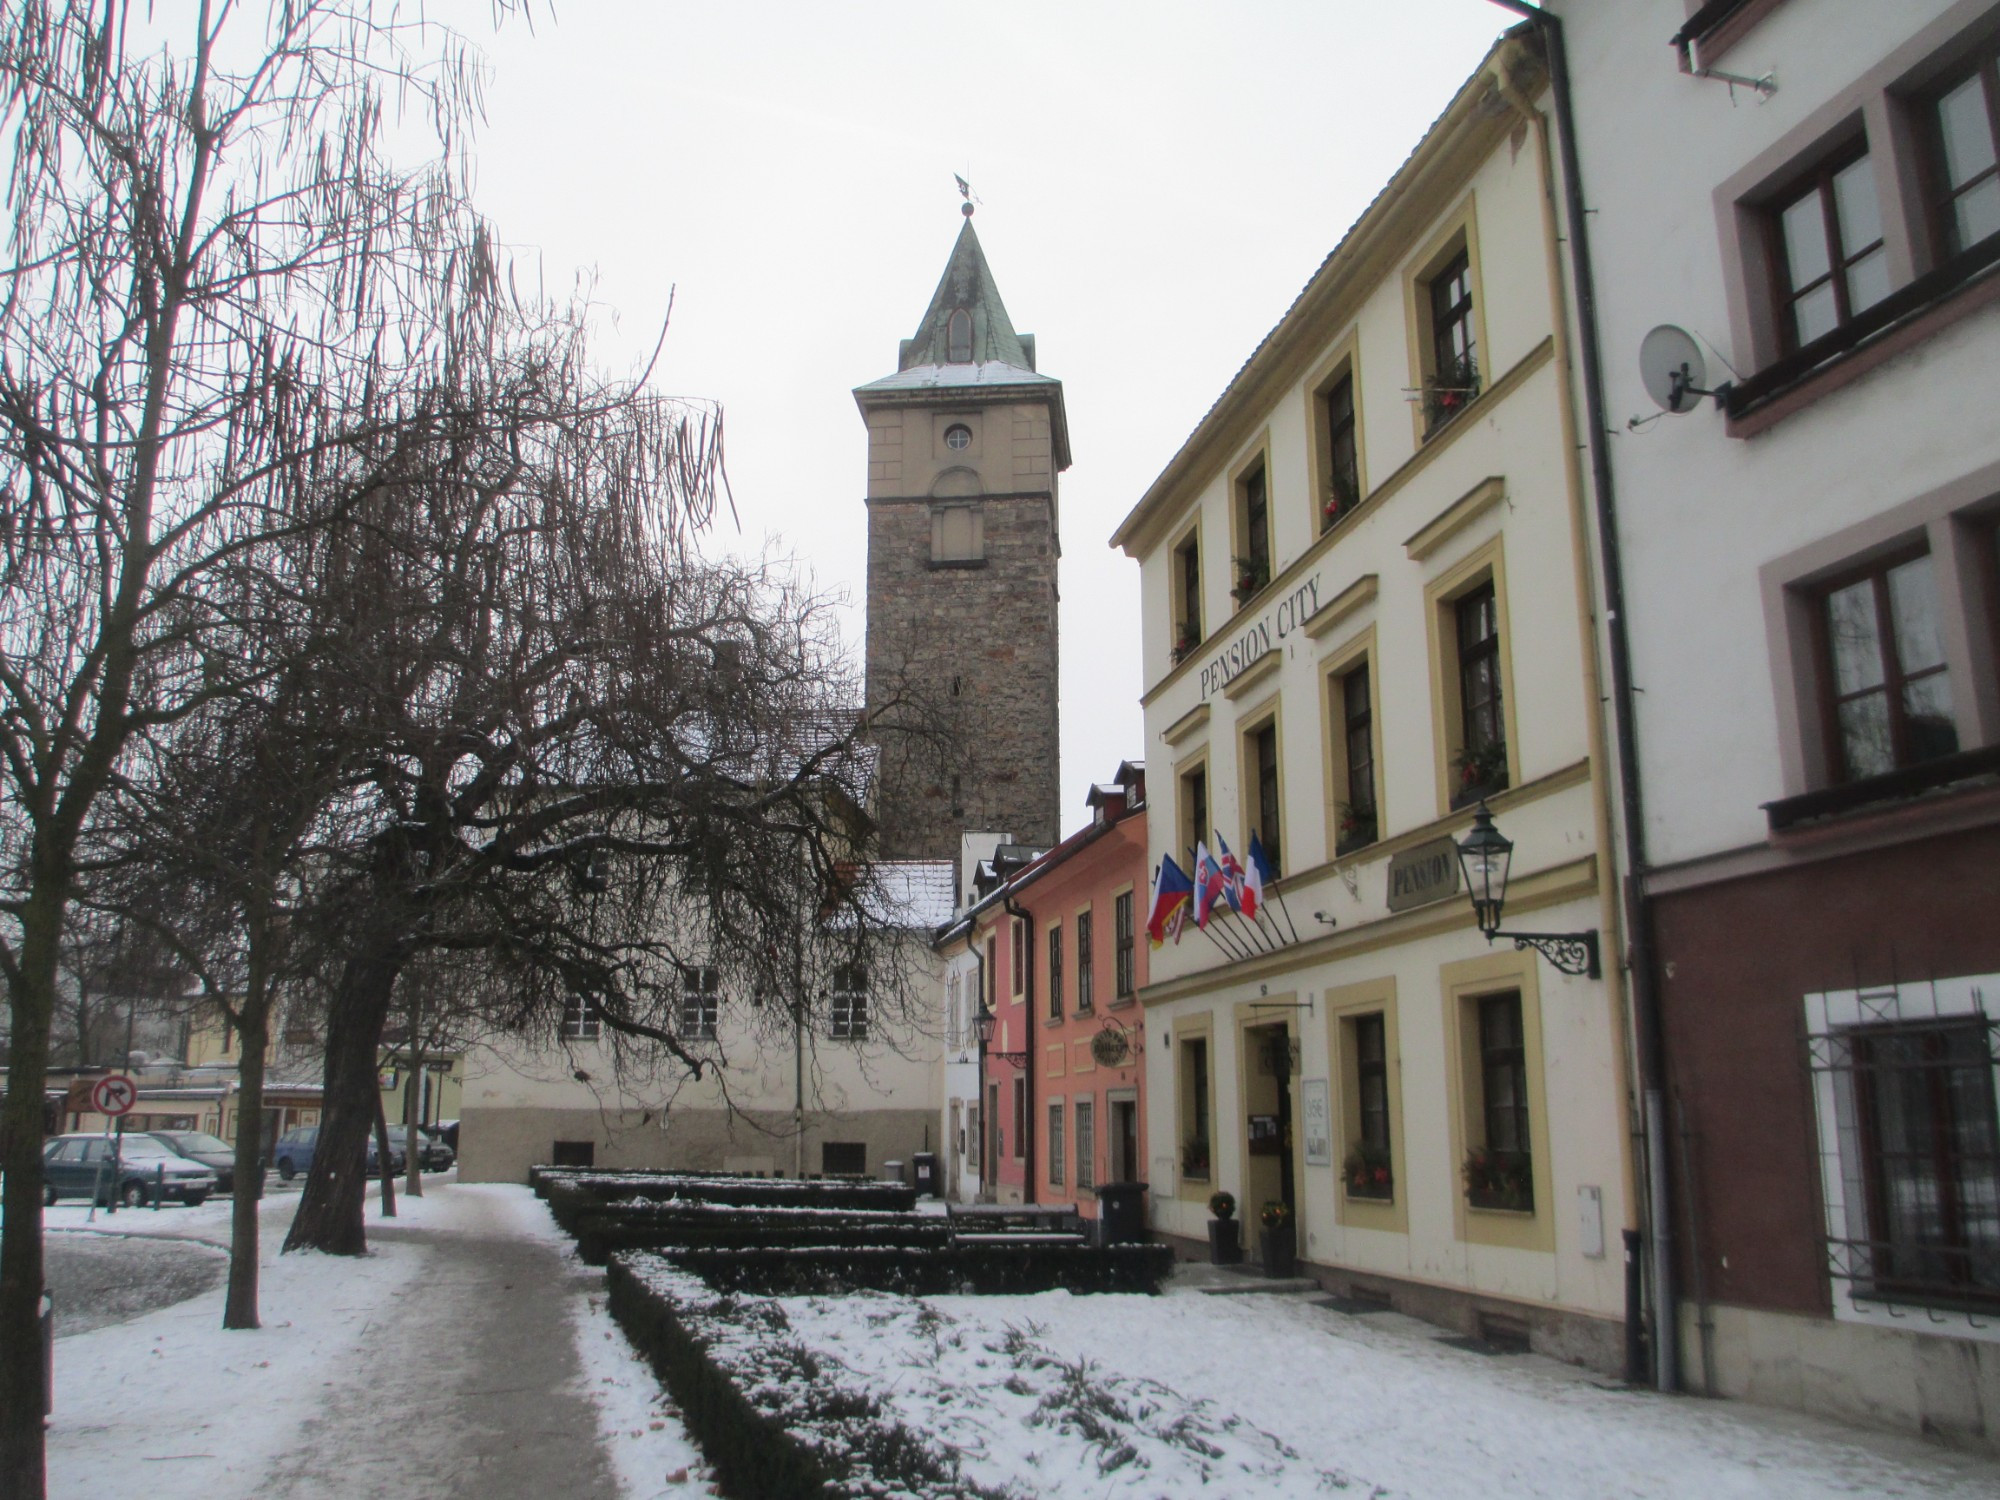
[1235,947]
[1253,927]
[1288,916]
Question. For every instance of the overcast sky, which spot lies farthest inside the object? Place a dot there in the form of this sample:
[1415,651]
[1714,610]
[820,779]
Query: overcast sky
[1156,182]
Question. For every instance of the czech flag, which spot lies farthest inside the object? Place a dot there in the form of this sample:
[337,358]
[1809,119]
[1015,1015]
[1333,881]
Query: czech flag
[1171,890]
[1254,878]
[1210,884]
[1232,878]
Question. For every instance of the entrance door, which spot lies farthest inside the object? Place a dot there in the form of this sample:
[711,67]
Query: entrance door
[954,1151]
[1124,1138]
[1268,1104]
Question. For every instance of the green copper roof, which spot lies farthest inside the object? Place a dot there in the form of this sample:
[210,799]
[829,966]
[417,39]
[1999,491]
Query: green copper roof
[967,284]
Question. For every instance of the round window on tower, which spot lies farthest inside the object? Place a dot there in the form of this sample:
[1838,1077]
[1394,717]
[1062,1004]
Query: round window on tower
[958,437]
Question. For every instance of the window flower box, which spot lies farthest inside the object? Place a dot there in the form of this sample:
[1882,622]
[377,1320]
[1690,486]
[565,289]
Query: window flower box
[1502,1180]
[1481,773]
[1367,1174]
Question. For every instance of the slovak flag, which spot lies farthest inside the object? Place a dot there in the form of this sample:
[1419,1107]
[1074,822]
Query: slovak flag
[1210,884]
[1232,877]
[1254,878]
[1171,890]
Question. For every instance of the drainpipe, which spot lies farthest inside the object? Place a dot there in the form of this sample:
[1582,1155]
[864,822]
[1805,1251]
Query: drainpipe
[985,1132]
[1647,1026]
[1027,1046]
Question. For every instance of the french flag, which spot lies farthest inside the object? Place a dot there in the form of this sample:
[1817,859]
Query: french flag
[1255,877]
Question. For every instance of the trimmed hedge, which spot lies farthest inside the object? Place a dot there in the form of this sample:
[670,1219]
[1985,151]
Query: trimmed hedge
[771,1418]
[994,1269]
[568,1191]
[599,1231]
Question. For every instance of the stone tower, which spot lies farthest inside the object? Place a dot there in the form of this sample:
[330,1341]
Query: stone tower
[964,444]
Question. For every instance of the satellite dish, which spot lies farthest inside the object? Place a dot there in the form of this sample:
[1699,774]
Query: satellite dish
[1671,365]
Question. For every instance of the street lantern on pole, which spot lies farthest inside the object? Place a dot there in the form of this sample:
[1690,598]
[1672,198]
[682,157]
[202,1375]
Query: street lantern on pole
[1485,855]
[985,1025]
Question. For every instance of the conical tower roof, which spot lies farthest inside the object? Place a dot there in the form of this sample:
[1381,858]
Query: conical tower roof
[967,284]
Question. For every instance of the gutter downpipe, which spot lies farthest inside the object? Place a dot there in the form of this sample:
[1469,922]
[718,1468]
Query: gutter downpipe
[1643,958]
[979,1086]
[1027,1043]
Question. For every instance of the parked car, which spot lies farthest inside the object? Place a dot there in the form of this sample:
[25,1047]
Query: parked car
[294,1152]
[211,1151]
[433,1155]
[135,1167]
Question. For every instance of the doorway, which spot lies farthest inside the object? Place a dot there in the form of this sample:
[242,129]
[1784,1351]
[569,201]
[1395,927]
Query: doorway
[1269,1069]
[1124,1134]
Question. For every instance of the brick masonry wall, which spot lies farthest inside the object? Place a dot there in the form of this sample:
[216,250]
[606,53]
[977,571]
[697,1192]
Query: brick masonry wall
[979,644]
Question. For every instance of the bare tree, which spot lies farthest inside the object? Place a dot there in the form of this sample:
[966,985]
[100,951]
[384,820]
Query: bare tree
[212,279]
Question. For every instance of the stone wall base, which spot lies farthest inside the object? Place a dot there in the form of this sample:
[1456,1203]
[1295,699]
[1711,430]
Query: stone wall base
[1905,1381]
[499,1145]
[1577,1338]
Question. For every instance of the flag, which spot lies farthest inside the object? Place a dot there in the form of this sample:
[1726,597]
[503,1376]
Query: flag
[1232,877]
[1171,889]
[1254,878]
[1209,884]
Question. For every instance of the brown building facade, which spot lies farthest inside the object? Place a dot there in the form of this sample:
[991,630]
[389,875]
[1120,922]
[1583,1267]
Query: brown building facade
[965,442]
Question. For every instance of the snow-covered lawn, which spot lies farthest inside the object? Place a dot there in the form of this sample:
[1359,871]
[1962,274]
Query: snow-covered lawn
[1217,1396]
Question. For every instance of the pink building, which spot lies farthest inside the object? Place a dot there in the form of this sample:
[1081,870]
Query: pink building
[1064,958]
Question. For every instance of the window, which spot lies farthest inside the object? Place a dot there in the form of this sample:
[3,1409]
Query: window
[1020,1117]
[1343,455]
[992,1158]
[954,1015]
[992,978]
[1499,1173]
[843,1158]
[1018,936]
[1830,259]
[580,1018]
[958,534]
[1967,165]
[1056,1153]
[1055,972]
[1086,966]
[1086,1145]
[1482,748]
[1124,980]
[958,437]
[1904,1088]
[1265,804]
[701,1001]
[1194,808]
[849,1020]
[958,337]
[1195,1149]
[1187,596]
[1888,693]
[1354,711]
[1253,527]
[1367,1171]
[1453,377]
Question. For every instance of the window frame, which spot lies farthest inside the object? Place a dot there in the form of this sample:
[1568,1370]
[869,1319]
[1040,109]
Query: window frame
[848,1015]
[1875,572]
[707,994]
[1017,957]
[1346,1005]
[1817,181]
[1056,1152]
[1463,986]
[1193,829]
[1252,565]
[1262,795]
[1083,1138]
[1472,574]
[1184,595]
[1125,948]
[1194,1102]
[1020,1117]
[1086,962]
[1052,940]
[973,554]
[582,1019]
[1940,198]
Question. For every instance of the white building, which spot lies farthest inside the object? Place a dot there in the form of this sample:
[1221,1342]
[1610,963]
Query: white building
[1812,586]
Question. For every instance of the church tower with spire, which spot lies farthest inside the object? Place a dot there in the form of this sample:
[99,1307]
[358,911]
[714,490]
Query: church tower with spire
[965,442]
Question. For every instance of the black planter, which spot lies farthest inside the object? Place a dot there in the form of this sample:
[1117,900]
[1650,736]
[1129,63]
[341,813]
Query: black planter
[1281,1250]
[1225,1242]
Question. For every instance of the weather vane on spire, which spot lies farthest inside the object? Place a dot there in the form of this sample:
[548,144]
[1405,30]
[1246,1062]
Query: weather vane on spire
[965,192]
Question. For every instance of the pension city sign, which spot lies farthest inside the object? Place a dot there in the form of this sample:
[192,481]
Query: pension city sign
[1249,643]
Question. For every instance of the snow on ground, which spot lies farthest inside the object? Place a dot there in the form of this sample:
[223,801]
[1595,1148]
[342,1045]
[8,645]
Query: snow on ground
[172,1407]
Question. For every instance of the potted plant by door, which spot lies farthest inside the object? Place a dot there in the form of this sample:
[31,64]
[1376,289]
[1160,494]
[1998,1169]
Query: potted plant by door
[1280,1242]
[1225,1235]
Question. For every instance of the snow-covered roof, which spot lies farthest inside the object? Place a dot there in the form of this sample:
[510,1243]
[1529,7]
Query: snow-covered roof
[986,373]
[912,892]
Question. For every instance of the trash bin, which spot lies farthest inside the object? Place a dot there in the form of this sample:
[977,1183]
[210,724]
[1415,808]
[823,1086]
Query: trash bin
[892,1171]
[1121,1213]
[927,1173]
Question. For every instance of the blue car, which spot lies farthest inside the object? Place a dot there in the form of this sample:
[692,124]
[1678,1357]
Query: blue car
[294,1153]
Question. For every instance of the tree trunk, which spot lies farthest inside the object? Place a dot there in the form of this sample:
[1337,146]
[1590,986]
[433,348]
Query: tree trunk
[253,1031]
[23,1389]
[413,1098]
[383,1159]
[330,1208]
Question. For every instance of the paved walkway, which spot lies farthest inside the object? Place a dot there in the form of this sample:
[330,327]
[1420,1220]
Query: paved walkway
[491,1414]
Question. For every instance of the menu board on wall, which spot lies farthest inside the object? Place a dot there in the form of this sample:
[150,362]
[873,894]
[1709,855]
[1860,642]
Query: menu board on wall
[1318,1122]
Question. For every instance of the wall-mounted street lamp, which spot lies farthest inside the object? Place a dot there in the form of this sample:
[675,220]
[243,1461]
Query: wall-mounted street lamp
[985,1024]
[1484,855]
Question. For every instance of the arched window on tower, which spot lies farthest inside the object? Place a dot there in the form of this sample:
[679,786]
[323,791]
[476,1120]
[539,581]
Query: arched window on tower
[958,338]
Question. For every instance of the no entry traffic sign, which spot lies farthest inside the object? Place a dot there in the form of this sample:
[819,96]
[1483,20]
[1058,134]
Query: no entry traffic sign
[113,1094]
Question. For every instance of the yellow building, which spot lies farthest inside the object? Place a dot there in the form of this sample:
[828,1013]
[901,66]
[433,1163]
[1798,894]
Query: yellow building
[1364,588]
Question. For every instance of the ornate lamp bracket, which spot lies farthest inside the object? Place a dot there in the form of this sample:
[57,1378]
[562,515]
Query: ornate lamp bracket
[1570,952]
